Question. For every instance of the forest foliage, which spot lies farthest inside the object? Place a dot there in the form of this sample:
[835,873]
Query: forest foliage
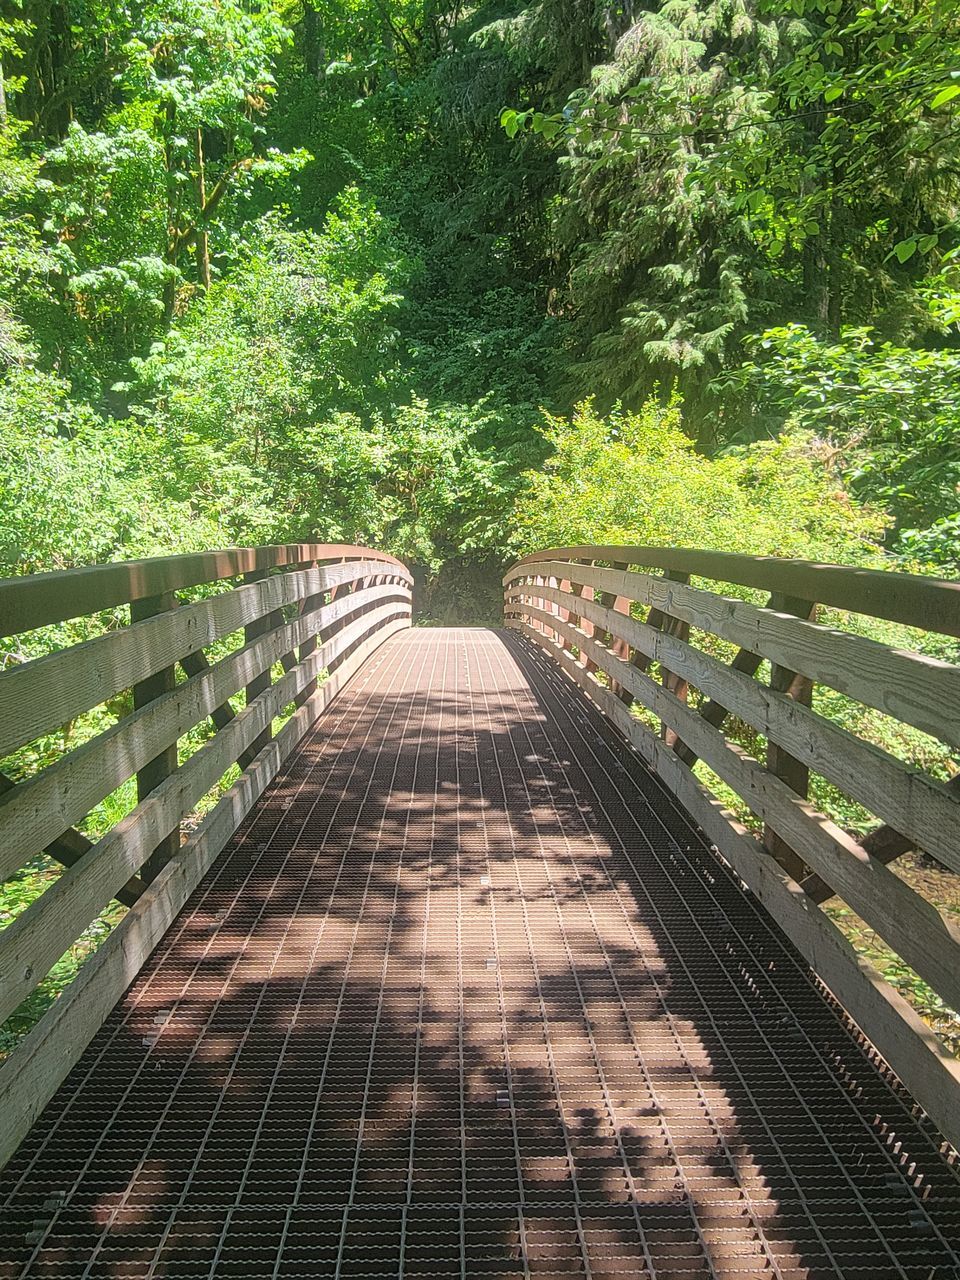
[392,270]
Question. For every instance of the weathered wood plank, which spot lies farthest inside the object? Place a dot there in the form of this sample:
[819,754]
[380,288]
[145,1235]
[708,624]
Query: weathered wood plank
[70,846]
[927,810]
[889,1022]
[63,793]
[36,939]
[42,695]
[910,687]
[886,843]
[39,599]
[914,928]
[37,1066]
[930,603]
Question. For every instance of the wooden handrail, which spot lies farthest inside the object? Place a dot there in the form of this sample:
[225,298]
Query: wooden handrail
[611,624]
[910,687]
[40,599]
[306,609]
[895,597]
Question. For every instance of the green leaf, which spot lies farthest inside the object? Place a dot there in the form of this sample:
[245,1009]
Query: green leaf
[905,250]
[945,95]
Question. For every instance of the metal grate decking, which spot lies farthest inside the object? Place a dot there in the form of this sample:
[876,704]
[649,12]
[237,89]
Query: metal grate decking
[468,996]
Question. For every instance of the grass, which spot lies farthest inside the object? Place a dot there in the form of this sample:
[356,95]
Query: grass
[942,888]
[16,894]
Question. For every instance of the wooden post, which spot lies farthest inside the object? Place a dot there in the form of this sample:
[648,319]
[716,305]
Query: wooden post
[585,625]
[264,680]
[619,647]
[341,589]
[673,683]
[779,762]
[307,605]
[163,765]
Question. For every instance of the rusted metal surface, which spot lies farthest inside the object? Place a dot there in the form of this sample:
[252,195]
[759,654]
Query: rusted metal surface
[467,996]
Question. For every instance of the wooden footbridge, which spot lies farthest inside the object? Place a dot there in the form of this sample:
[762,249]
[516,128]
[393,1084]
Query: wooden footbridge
[443,953]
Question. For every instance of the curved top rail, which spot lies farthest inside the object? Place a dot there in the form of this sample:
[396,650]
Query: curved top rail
[39,599]
[930,603]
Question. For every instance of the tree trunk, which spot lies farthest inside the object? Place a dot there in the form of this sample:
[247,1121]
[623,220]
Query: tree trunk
[311,40]
[821,279]
[173,246]
[816,284]
[203,239]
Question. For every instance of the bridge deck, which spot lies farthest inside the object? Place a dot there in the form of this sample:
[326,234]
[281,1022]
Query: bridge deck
[468,996]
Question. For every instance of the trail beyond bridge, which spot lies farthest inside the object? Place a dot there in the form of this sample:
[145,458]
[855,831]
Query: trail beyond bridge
[469,971]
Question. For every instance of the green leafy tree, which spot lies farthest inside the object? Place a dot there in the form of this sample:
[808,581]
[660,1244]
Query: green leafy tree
[728,164]
[636,478]
[888,416]
[207,71]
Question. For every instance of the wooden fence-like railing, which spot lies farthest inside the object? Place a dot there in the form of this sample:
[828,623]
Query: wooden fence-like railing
[280,619]
[632,637]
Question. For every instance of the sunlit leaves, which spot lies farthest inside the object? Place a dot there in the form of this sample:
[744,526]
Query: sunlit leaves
[945,95]
[890,412]
[635,478]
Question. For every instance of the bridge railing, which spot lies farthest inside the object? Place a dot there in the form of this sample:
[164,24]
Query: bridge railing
[265,623]
[627,625]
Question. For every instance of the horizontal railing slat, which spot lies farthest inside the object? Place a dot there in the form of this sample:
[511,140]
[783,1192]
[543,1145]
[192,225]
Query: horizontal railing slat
[896,597]
[42,695]
[39,810]
[911,687]
[41,599]
[40,935]
[35,1068]
[922,808]
[561,599]
[898,1033]
[913,926]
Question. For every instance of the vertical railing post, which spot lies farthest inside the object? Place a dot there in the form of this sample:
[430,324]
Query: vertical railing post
[779,762]
[164,764]
[586,626]
[258,684]
[673,683]
[336,592]
[618,646]
[554,609]
[308,646]
[564,614]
